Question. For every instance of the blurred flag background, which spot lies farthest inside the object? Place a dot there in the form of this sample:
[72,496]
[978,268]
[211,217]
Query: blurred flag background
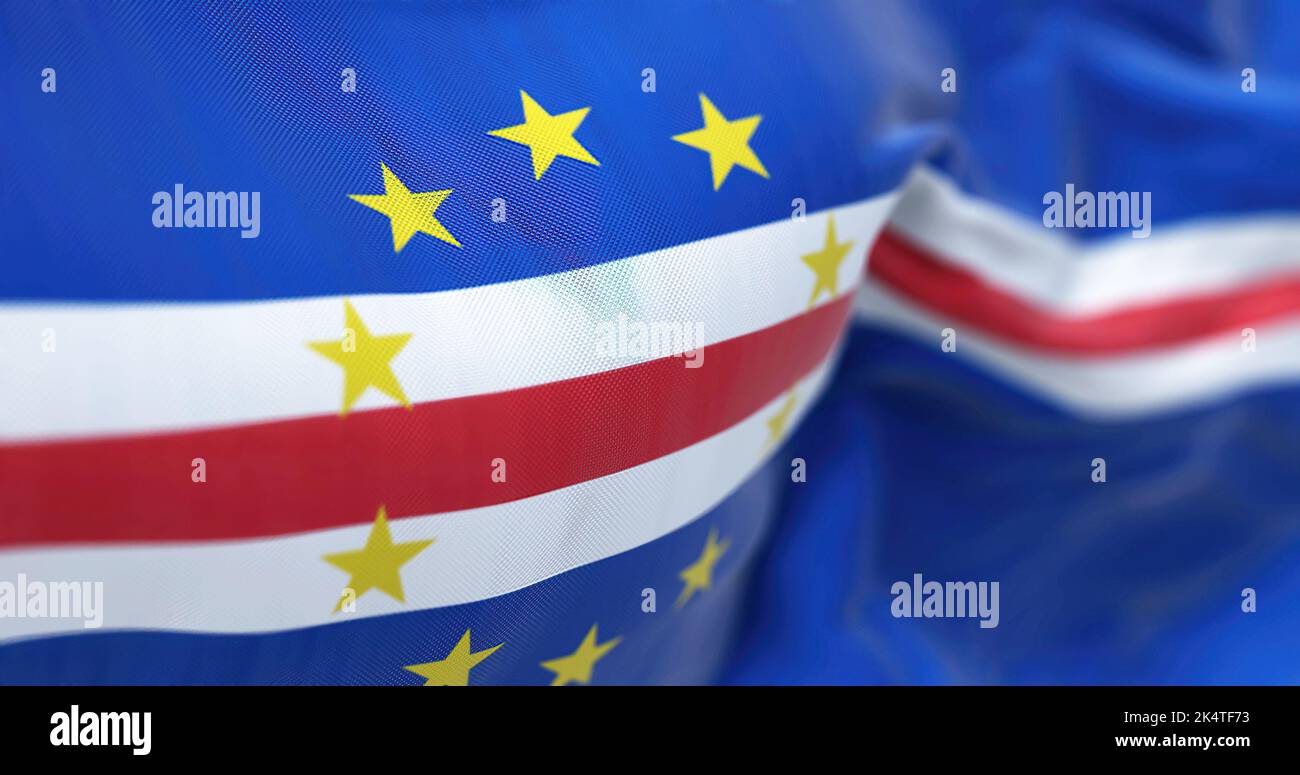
[647,343]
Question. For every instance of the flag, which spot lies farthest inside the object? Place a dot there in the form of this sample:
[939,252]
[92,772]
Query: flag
[606,344]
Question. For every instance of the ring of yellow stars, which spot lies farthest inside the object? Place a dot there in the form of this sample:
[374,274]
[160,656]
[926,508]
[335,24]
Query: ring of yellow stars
[408,212]
[726,142]
[454,670]
[376,565]
[777,422]
[577,667]
[698,576]
[366,359]
[826,263]
[547,136]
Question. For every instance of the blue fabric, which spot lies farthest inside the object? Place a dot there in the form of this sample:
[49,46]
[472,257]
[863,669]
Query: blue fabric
[1121,96]
[248,98]
[916,462]
[919,463]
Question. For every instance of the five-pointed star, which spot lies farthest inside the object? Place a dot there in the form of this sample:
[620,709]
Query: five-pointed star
[726,142]
[776,423]
[454,670]
[699,574]
[408,212]
[548,136]
[365,359]
[376,566]
[577,667]
[826,263]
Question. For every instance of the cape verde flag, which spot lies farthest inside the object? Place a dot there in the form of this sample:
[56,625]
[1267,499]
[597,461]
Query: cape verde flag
[607,343]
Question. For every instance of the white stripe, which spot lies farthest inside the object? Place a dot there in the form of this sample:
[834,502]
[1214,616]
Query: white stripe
[282,583]
[1116,387]
[1045,267]
[134,368]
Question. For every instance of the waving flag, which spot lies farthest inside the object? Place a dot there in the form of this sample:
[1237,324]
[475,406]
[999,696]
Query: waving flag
[614,344]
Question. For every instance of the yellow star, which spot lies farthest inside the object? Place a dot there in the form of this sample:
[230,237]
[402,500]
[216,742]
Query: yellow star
[376,566]
[726,142]
[577,667]
[365,359]
[548,136]
[826,263]
[454,670]
[407,212]
[776,423]
[699,574]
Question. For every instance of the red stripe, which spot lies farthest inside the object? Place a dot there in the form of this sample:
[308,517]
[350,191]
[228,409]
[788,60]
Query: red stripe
[322,472]
[965,298]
